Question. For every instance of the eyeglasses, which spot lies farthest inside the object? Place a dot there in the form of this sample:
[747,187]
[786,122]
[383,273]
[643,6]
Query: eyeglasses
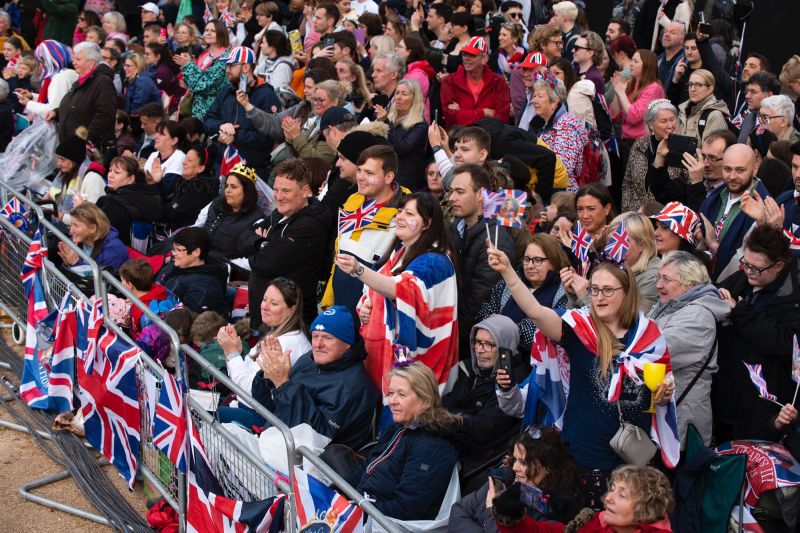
[515,15]
[712,158]
[608,292]
[754,270]
[767,118]
[696,85]
[557,42]
[665,279]
[535,261]
[578,47]
[484,346]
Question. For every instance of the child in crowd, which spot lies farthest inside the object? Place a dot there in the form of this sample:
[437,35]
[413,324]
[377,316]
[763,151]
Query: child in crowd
[204,336]
[137,276]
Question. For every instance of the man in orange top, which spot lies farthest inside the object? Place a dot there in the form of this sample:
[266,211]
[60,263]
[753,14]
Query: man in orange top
[474,92]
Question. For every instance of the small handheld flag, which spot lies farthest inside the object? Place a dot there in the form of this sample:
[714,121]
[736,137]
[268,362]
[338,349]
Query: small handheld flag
[618,244]
[581,240]
[760,383]
[506,206]
[795,366]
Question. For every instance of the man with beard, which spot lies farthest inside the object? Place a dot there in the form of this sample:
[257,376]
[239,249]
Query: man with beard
[228,119]
[724,222]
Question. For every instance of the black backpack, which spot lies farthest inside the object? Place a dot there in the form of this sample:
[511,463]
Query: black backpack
[701,125]
[603,119]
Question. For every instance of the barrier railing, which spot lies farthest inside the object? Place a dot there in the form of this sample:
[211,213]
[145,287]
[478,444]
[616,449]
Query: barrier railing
[235,458]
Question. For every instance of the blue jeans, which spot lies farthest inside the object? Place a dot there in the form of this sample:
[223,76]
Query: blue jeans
[243,415]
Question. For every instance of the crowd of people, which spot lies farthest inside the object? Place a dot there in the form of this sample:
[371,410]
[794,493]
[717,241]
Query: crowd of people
[331,161]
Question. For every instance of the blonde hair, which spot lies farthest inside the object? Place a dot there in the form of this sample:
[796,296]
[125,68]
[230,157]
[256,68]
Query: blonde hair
[382,44]
[194,34]
[691,270]
[334,90]
[566,9]
[607,344]
[233,8]
[707,76]
[416,114]
[420,378]
[640,229]
[117,19]
[91,215]
[138,60]
[790,70]
[359,86]
[651,490]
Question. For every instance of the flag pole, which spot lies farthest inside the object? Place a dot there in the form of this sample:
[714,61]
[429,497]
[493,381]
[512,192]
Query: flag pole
[794,398]
[496,229]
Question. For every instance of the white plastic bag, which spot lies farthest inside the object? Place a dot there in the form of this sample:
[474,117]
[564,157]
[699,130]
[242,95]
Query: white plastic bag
[30,157]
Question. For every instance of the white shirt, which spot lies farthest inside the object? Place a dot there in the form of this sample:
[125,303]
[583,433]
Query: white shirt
[367,6]
[173,164]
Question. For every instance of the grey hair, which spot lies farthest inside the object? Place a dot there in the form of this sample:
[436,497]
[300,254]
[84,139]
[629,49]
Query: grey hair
[5,15]
[3,90]
[691,271]
[90,51]
[655,107]
[781,104]
[394,63]
[333,89]
[554,95]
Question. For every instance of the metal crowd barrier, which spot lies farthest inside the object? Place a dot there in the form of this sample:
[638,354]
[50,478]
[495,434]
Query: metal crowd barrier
[232,459]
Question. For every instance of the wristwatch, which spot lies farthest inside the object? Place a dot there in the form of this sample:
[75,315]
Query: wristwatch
[358,271]
[436,148]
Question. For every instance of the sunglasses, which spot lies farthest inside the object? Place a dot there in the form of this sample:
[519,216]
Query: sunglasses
[515,15]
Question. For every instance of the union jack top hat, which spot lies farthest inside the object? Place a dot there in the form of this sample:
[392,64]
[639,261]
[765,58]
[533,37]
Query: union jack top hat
[476,46]
[240,54]
[680,220]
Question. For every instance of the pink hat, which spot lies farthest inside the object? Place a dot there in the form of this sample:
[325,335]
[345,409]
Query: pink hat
[680,220]
[476,46]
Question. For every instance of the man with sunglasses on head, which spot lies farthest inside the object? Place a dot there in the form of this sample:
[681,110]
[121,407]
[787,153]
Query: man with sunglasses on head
[725,222]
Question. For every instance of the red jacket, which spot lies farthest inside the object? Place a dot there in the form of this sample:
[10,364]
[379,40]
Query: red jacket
[595,525]
[494,95]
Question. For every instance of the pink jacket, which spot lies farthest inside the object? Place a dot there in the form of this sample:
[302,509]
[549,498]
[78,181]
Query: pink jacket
[633,126]
[422,72]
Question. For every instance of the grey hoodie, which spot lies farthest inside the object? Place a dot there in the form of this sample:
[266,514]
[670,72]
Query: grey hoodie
[689,323]
[503,330]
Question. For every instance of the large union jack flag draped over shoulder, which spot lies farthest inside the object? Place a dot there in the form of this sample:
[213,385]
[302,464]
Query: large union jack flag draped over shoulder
[169,423]
[646,344]
[318,504]
[350,221]
[109,395]
[209,512]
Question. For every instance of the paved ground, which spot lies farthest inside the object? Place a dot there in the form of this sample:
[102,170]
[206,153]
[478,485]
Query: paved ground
[22,461]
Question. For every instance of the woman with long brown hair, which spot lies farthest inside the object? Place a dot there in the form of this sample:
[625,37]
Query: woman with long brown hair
[635,95]
[608,344]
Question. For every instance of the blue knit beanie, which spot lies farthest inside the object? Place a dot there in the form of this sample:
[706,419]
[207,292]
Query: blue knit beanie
[338,321]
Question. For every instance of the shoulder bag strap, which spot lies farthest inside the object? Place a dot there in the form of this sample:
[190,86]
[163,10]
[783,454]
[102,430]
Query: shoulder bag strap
[699,373]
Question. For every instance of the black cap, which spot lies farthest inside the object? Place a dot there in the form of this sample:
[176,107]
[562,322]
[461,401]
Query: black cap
[334,116]
[72,148]
[356,142]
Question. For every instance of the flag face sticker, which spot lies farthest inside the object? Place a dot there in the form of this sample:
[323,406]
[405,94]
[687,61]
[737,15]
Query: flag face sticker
[506,206]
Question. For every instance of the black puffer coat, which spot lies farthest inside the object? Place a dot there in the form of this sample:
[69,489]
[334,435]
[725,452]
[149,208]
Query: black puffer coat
[129,203]
[225,227]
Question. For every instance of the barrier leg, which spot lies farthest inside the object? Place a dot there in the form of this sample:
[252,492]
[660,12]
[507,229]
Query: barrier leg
[25,489]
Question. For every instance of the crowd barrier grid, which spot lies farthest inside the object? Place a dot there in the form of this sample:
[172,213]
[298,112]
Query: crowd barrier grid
[13,250]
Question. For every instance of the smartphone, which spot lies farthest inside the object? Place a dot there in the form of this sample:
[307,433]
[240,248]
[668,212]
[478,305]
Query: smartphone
[502,478]
[704,27]
[296,41]
[678,145]
[243,83]
[328,42]
[504,363]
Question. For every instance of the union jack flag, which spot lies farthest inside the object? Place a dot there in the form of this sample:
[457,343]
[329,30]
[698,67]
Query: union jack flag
[618,243]
[794,241]
[795,360]
[228,18]
[581,240]
[646,344]
[169,423]
[209,512]
[350,221]
[33,387]
[109,396]
[757,377]
[551,368]
[207,14]
[317,504]
[14,211]
[230,158]
[770,466]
